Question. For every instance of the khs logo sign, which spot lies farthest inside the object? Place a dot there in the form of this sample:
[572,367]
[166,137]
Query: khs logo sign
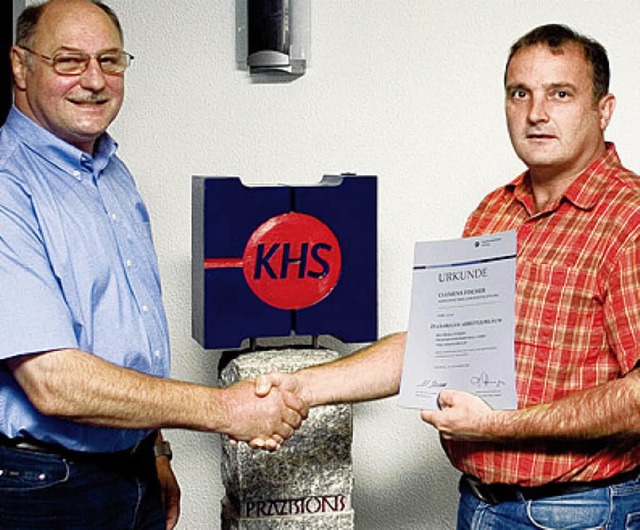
[291,261]
[284,261]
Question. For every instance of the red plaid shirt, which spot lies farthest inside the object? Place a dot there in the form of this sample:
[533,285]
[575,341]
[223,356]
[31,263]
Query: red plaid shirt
[577,316]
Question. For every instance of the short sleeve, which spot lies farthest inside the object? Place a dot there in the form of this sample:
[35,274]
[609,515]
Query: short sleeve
[33,314]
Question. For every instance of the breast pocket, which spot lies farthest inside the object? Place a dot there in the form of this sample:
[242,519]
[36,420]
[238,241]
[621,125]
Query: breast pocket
[559,308]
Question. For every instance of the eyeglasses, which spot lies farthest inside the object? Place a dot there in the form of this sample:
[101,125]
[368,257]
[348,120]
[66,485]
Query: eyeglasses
[75,63]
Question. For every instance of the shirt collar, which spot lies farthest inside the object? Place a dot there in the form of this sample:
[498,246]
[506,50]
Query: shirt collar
[65,156]
[585,190]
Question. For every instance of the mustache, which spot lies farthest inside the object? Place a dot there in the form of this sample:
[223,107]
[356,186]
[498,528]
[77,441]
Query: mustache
[89,98]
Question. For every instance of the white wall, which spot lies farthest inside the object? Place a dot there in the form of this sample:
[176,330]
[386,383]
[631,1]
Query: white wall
[18,6]
[409,90]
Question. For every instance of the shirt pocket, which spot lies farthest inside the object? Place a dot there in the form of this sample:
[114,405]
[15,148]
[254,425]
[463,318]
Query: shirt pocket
[559,311]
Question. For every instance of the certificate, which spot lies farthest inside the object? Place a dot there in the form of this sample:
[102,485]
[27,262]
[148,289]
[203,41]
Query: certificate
[461,324]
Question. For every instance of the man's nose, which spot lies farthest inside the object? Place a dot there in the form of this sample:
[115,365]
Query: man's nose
[93,77]
[538,111]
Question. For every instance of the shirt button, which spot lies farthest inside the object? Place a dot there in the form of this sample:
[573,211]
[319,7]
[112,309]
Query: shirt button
[157,354]
[145,308]
[128,263]
[76,173]
[114,216]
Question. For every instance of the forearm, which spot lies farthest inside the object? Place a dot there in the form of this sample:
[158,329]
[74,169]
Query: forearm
[370,373]
[83,388]
[611,409]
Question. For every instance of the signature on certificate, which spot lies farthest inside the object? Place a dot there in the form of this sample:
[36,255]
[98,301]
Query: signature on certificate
[432,383]
[484,380]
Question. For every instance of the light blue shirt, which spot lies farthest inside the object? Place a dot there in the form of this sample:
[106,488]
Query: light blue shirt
[77,270]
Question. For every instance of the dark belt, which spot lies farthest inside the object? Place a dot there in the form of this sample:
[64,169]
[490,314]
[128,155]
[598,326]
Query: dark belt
[497,493]
[144,448]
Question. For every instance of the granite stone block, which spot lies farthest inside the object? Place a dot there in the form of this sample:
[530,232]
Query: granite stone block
[307,484]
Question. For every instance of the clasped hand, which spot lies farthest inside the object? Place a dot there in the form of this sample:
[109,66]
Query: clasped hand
[265,412]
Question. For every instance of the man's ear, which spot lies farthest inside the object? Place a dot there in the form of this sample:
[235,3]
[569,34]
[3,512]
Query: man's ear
[18,67]
[606,106]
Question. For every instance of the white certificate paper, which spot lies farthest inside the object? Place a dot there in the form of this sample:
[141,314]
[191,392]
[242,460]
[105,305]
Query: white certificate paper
[461,324]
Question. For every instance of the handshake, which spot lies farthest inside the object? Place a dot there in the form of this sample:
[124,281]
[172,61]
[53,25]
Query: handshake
[266,411]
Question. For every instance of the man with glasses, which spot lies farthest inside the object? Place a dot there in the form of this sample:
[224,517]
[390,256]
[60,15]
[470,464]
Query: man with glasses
[84,347]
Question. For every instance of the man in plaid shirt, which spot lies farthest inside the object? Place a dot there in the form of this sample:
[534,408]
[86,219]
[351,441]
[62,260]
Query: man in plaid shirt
[569,456]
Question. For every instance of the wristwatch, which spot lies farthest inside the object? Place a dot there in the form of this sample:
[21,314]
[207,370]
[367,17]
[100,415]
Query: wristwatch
[163,449]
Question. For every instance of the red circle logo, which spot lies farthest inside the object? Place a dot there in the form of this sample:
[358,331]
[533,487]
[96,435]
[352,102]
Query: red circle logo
[292,261]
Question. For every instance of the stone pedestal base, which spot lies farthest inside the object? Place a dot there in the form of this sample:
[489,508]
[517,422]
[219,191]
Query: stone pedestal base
[308,483]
